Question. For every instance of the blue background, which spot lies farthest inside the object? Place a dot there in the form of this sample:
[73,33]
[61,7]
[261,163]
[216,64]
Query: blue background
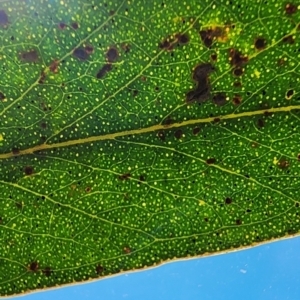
[270,271]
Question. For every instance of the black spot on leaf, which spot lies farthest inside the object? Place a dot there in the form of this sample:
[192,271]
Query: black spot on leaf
[283,164]
[165,44]
[80,53]
[182,38]
[290,8]
[62,25]
[34,266]
[29,56]
[112,54]
[54,66]
[237,99]
[2,96]
[125,176]
[213,57]
[211,161]
[238,222]
[202,71]
[99,269]
[47,271]
[207,37]
[102,72]
[74,25]
[196,130]
[28,170]
[288,39]
[237,84]
[228,200]
[260,123]
[260,43]
[15,151]
[236,58]
[142,178]
[202,92]
[238,71]
[219,99]
[42,77]
[178,134]
[3,18]
[161,135]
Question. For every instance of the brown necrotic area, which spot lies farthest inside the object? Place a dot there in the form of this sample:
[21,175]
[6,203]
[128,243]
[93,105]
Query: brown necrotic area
[202,91]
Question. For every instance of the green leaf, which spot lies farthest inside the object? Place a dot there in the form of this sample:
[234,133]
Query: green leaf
[134,132]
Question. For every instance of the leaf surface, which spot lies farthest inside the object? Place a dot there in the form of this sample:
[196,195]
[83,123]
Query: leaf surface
[134,132]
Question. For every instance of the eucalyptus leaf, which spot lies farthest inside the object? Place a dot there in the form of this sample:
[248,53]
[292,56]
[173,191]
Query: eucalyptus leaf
[135,132]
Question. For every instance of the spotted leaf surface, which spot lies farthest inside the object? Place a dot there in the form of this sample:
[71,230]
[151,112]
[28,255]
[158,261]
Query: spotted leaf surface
[135,132]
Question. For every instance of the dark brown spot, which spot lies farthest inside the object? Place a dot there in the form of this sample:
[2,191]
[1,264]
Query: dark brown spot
[142,178]
[125,47]
[165,44]
[207,37]
[44,125]
[298,156]
[219,99]
[267,113]
[237,99]
[74,25]
[28,170]
[80,53]
[238,71]
[260,123]
[15,151]
[283,164]
[217,120]
[89,49]
[178,134]
[34,266]
[125,176]
[88,189]
[54,66]
[161,135]
[228,200]
[47,271]
[143,78]
[260,43]
[201,71]
[29,56]
[42,77]
[206,219]
[62,25]
[112,54]
[182,38]
[196,130]
[3,18]
[237,84]
[238,222]
[102,72]
[99,269]
[126,250]
[134,93]
[168,121]
[236,58]
[2,96]
[290,8]
[213,57]
[19,205]
[111,12]
[211,161]
[202,92]
[288,39]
